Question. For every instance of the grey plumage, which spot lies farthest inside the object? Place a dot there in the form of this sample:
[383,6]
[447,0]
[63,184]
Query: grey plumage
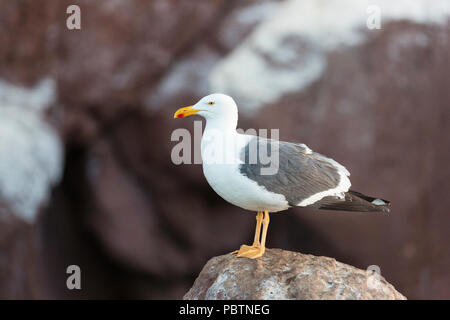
[301,173]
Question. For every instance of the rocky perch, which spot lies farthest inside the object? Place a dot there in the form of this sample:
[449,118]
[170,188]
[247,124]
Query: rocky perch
[283,274]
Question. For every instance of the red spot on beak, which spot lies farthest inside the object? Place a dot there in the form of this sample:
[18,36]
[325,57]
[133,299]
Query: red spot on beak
[181,115]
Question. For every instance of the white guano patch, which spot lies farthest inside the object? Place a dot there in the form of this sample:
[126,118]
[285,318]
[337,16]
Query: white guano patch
[272,289]
[217,289]
[192,69]
[31,152]
[287,52]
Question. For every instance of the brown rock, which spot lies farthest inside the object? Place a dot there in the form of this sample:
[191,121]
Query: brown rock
[17,257]
[281,274]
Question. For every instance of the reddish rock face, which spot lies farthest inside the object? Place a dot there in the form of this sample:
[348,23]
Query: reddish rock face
[141,227]
[17,264]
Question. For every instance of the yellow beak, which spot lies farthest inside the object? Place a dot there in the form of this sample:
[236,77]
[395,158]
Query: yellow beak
[185,112]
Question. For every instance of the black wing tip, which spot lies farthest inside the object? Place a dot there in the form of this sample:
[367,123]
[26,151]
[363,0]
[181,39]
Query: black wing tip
[355,201]
[377,204]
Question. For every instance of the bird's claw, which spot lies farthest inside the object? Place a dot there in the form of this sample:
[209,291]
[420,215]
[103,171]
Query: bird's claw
[251,252]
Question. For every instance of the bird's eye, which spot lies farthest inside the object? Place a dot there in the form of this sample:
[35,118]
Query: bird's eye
[211,103]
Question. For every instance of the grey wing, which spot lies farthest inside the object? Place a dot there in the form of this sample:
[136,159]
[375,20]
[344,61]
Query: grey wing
[300,173]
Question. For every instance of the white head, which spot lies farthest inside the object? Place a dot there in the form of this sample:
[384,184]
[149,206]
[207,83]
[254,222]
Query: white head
[216,108]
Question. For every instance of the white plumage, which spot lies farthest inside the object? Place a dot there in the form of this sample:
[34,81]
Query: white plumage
[302,178]
[226,179]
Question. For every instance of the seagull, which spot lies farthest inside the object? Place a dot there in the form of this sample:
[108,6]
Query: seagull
[236,166]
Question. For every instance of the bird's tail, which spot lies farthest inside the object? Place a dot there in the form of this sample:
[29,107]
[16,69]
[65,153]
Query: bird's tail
[354,201]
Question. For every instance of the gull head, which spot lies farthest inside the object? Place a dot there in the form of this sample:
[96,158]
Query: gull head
[215,107]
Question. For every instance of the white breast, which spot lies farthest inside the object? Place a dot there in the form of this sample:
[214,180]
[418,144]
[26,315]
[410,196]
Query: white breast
[220,156]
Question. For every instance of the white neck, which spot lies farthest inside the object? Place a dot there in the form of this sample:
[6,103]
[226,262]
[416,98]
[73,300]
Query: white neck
[226,125]
[220,141]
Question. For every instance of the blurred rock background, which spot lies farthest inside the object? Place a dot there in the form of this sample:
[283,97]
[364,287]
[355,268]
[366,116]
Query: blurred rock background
[86,176]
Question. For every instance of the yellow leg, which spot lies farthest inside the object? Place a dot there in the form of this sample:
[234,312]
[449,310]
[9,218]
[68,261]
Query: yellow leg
[259,219]
[265,227]
[257,250]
